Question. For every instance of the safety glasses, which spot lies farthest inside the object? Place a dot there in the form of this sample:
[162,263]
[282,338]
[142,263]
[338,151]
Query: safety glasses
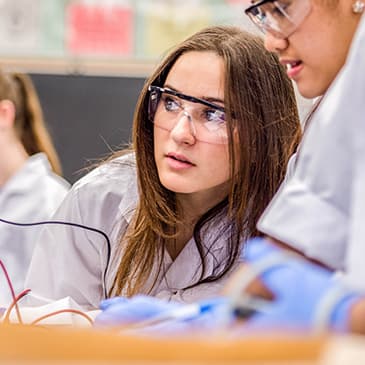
[279,18]
[207,120]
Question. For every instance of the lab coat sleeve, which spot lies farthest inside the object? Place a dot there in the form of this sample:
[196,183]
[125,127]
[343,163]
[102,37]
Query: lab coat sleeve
[66,261]
[70,261]
[310,211]
[353,116]
[303,220]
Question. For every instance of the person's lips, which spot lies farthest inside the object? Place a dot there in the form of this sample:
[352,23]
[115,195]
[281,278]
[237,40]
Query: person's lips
[293,67]
[178,161]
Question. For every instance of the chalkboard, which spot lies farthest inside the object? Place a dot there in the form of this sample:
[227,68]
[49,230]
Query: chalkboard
[88,116]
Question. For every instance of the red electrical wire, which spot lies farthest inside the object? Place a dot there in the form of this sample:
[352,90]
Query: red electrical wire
[75,311]
[15,300]
[15,304]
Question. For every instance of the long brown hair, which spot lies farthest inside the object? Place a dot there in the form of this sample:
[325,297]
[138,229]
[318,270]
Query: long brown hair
[29,123]
[262,120]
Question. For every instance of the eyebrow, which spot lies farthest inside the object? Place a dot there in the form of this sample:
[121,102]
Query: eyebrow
[206,98]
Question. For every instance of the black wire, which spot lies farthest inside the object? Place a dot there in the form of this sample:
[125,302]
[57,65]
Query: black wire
[73,225]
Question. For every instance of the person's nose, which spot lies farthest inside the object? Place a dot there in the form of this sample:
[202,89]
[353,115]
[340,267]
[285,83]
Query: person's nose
[184,129]
[275,44]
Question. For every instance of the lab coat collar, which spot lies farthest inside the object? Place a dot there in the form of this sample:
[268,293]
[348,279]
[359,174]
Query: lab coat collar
[187,268]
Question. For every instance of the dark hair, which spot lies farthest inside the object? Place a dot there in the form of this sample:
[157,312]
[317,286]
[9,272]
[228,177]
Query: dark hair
[29,123]
[263,115]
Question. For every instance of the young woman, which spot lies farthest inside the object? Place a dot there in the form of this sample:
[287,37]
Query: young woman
[320,211]
[314,46]
[213,131]
[30,186]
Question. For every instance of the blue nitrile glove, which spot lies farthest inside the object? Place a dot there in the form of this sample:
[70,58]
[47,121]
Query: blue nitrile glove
[201,317]
[300,288]
[159,317]
[123,311]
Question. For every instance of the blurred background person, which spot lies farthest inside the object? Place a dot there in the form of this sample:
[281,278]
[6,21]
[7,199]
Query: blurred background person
[30,184]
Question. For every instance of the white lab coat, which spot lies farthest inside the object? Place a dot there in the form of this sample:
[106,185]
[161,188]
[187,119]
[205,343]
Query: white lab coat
[70,261]
[321,210]
[31,195]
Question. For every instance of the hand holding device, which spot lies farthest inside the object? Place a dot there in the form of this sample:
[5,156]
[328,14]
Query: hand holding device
[306,296]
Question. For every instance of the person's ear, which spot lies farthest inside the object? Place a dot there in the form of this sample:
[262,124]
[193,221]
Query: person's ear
[7,114]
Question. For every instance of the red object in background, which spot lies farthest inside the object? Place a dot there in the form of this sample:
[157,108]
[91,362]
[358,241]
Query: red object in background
[96,29]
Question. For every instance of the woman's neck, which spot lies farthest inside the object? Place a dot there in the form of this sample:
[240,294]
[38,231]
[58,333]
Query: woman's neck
[175,245]
[192,207]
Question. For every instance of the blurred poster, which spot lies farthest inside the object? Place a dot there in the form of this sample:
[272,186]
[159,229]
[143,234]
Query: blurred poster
[231,12]
[99,28]
[163,23]
[19,26]
[53,24]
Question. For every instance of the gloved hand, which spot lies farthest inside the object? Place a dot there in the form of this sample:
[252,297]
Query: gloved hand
[300,288]
[124,311]
[172,318]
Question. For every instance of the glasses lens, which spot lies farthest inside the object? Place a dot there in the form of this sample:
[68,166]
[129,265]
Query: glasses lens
[208,122]
[280,18]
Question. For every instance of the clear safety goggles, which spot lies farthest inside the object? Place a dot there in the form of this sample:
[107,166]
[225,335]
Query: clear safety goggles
[279,18]
[207,120]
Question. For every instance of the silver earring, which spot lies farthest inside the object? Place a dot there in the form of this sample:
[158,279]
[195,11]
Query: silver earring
[358,6]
